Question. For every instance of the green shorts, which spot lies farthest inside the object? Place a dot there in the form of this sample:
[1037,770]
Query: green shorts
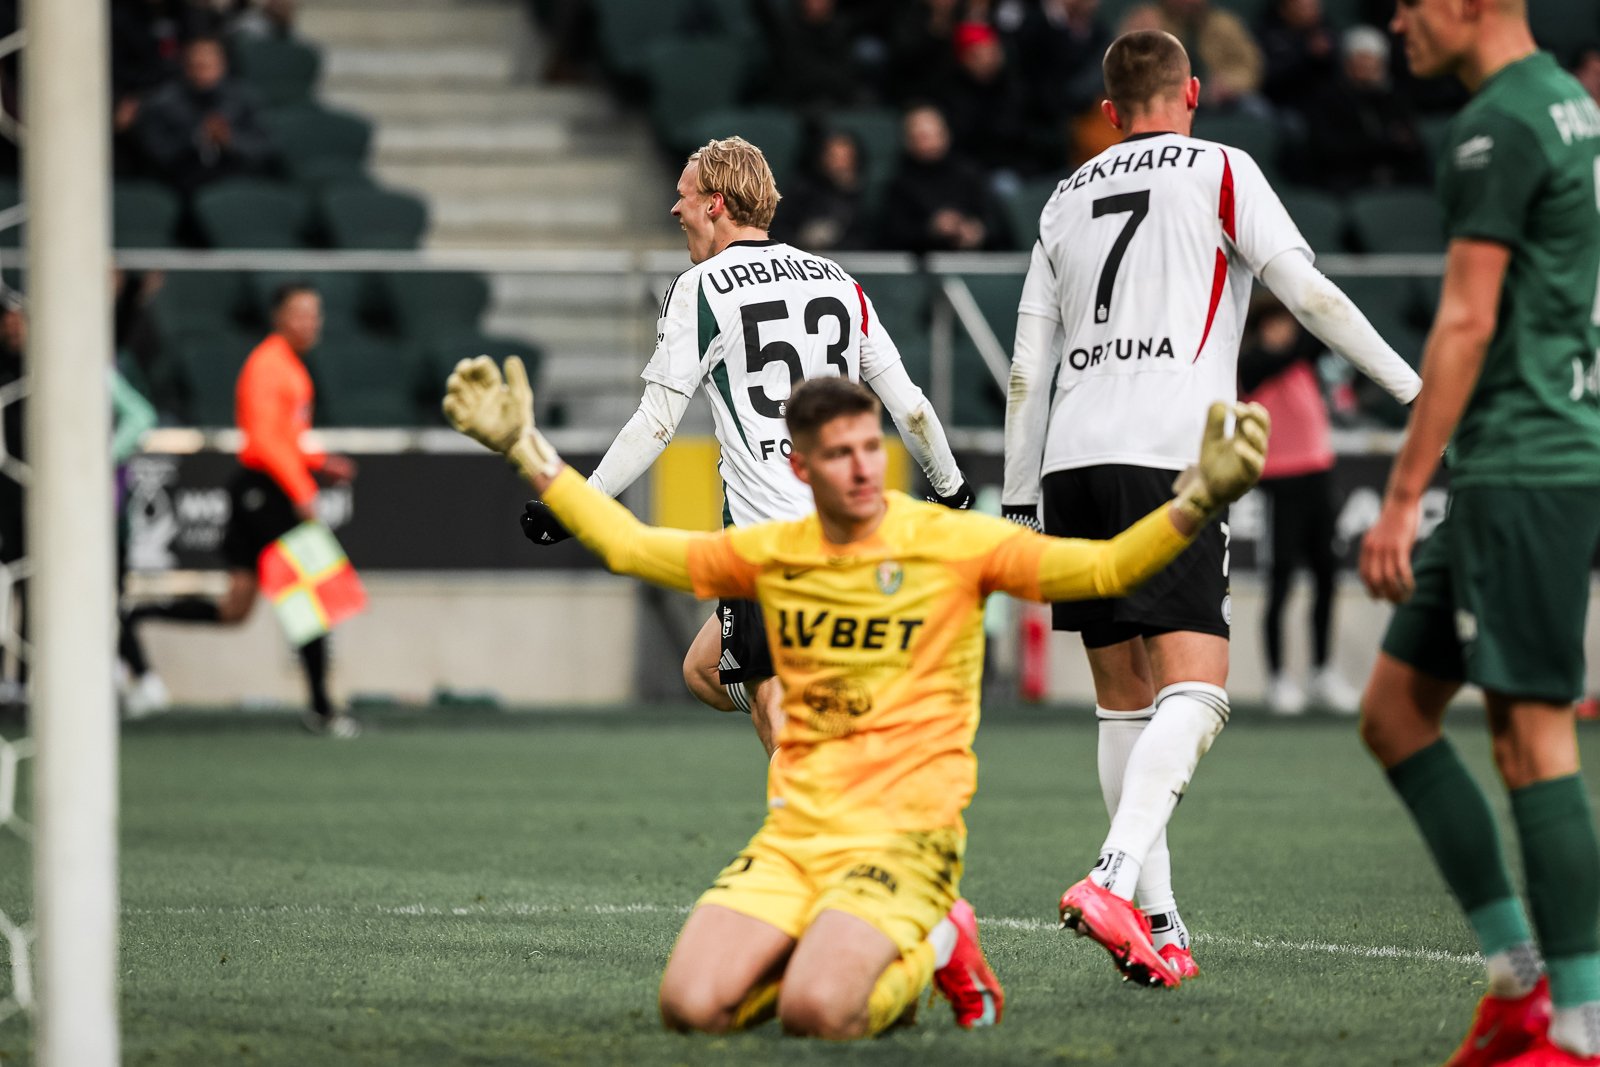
[1502,588]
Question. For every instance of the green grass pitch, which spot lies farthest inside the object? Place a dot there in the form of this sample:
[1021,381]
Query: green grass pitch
[480,889]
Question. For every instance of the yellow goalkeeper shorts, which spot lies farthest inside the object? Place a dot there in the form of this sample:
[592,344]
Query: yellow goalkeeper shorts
[902,882]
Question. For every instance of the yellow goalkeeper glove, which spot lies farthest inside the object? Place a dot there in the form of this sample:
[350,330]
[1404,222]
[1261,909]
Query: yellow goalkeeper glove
[1229,465]
[498,413]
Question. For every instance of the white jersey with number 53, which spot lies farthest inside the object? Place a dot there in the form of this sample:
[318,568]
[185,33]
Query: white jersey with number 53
[749,324]
[1145,258]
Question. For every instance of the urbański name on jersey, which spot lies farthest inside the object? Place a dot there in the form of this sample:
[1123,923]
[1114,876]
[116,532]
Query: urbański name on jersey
[749,324]
[1145,259]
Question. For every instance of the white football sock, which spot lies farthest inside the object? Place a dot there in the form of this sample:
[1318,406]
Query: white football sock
[1577,1029]
[1189,716]
[1515,971]
[1119,732]
[1117,871]
[943,939]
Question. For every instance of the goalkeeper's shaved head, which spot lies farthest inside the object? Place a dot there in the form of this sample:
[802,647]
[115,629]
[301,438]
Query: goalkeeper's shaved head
[1143,66]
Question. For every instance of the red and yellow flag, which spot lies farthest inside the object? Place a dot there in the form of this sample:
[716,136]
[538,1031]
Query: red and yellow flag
[310,581]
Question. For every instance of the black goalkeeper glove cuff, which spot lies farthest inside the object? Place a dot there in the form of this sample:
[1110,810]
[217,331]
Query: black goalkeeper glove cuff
[540,525]
[1023,515]
[960,500]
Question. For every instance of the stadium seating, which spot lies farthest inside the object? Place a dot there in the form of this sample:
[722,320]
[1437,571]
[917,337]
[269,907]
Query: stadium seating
[1397,221]
[777,131]
[902,302]
[1022,209]
[877,129]
[979,400]
[144,215]
[346,298]
[280,70]
[318,145]
[362,381]
[208,367]
[1388,306]
[430,304]
[1561,27]
[1320,218]
[688,78]
[440,357]
[356,217]
[197,302]
[626,29]
[1259,137]
[249,213]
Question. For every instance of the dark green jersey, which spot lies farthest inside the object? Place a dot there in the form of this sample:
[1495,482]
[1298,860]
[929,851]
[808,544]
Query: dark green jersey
[1520,168]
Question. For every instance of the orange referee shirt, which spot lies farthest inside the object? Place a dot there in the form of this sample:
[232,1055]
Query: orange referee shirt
[272,405]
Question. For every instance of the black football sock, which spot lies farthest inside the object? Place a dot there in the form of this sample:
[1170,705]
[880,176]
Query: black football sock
[184,609]
[314,658]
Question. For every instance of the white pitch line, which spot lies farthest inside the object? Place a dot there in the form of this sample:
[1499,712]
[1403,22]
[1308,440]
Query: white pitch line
[522,909]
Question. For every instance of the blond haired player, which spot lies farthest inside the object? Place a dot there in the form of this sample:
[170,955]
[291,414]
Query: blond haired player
[747,323]
[873,605]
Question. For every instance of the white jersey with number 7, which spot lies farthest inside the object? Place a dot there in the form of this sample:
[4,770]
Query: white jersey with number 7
[1145,260]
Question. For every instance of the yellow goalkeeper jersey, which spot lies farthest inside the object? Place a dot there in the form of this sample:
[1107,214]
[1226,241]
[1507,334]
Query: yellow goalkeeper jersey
[878,643]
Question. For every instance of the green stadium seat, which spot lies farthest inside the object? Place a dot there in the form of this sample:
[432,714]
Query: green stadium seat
[429,304]
[877,129]
[249,213]
[902,302]
[1259,137]
[196,302]
[346,297]
[775,131]
[1250,11]
[440,357]
[1022,210]
[688,78]
[319,145]
[362,381]
[1425,300]
[1320,218]
[1433,129]
[1343,14]
[208,368]
[144,215]
[1397,221]
[281,70]
[355,217]
[626,29]
[1562,25]
[997,296]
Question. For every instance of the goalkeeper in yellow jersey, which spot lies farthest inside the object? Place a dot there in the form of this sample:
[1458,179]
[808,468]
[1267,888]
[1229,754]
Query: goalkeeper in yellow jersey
[837,913]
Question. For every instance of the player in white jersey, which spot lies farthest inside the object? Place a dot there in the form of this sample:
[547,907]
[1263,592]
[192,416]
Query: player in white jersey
[1137,292]
[749,321]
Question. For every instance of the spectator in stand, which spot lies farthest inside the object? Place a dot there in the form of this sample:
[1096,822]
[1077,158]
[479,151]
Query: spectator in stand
[937,201]
[1277,368]
[827,208]
[1586,68]
[1059,49]
[985,107]
[922,61]
[1227,59]
[815,55]
[202,127]
[1362,133]
[1299,52]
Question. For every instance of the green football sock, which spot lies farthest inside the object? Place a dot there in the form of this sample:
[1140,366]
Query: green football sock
[1562,859]
[1455,820]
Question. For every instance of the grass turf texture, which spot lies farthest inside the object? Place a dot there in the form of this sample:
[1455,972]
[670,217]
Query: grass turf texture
[467,889]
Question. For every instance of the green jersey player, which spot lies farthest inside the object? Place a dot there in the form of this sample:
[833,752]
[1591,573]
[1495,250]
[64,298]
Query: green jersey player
[1497,596]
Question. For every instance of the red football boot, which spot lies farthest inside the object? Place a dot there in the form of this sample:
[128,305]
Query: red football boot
[1504,1027]
[1545,1054]
[966,981]
[1180,961]
[1120,928]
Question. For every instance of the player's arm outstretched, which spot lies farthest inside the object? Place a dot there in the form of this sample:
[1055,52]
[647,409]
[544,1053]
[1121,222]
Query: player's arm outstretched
[1333,318]
[1037,567]
[1034,356]
[498,414]
[884,373]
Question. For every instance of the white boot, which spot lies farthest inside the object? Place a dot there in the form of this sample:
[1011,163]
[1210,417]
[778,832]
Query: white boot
[145,696]
[1331,692]
[1284,697]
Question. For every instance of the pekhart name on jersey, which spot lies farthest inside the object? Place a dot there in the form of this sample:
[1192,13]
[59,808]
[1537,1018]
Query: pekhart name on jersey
[1122,348]
[775,269]
[1150,159]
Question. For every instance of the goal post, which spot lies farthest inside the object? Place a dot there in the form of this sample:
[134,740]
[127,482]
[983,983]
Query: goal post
[66,168]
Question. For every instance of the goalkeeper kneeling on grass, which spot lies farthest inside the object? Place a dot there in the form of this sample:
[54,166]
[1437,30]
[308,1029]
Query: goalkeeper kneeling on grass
[843,907]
